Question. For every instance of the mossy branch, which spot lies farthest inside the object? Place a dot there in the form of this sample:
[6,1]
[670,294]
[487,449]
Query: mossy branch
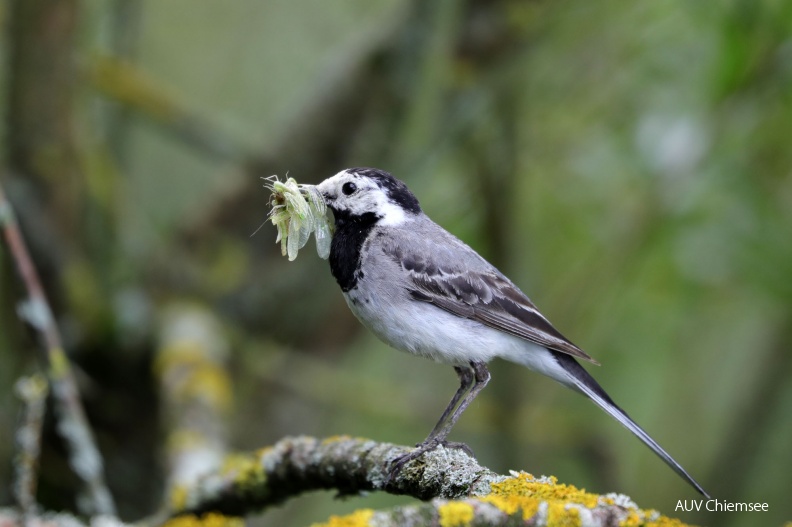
[461,490]
[458,491]
[349,465]
[195,391]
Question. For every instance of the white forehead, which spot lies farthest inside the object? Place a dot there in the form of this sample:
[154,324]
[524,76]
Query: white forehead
[334,186]
[370,197]
[361,181]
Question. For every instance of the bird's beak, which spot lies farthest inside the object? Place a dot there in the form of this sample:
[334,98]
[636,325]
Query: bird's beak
[324,190]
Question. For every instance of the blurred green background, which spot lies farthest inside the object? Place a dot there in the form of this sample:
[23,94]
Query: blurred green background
[628,165]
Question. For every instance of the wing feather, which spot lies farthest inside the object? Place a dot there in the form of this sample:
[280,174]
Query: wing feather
[481,294]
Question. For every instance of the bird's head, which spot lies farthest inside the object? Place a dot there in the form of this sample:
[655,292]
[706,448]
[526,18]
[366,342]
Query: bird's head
[368,193]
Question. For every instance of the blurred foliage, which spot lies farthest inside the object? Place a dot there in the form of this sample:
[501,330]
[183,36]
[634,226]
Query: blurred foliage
[627,164]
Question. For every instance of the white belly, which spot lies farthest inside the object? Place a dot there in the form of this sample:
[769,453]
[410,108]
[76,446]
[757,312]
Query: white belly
[423,329]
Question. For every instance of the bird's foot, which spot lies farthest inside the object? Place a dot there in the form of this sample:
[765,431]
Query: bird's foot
[420,449]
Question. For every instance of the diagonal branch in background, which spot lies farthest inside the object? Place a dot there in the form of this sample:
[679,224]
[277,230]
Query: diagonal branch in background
[310,139]
[123,82]
[84,456]
[336,102]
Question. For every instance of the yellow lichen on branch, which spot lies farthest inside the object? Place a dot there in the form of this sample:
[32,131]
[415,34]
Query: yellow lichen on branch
[359,518]
[196,393]
[565,504]
[455,490]
[211,519]
[536,501]
[198,377]
[455,514]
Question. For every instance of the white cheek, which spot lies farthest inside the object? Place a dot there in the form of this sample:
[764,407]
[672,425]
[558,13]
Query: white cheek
[392,215]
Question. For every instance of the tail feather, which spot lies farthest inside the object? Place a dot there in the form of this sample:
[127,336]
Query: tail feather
[583,382]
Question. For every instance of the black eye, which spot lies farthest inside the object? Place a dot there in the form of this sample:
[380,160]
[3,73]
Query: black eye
[349,188]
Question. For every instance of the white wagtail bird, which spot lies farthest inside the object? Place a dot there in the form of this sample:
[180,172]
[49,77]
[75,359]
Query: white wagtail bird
[423,291]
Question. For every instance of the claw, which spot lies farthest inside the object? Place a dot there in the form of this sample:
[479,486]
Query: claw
[420,449]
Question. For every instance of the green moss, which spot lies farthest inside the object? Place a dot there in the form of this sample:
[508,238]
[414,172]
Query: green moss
[237,463]
[248,475]
[59,363]
[86,298]
[247,472]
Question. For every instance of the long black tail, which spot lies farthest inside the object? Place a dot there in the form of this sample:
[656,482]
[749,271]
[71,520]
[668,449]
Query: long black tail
[585,383]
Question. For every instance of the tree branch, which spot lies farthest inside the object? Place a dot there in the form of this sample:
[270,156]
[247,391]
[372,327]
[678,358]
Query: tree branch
[295,465]
[84,458]
[460,489]
[195,390]
[128,85]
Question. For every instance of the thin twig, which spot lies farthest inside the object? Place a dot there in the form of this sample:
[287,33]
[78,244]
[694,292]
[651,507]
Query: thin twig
[33,393]
[84,456]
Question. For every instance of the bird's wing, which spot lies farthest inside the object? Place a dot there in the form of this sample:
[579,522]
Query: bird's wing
[477,292]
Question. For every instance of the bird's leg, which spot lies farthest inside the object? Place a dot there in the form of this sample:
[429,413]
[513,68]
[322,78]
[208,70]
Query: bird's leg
[466,379]
[479,379]
[481,376]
